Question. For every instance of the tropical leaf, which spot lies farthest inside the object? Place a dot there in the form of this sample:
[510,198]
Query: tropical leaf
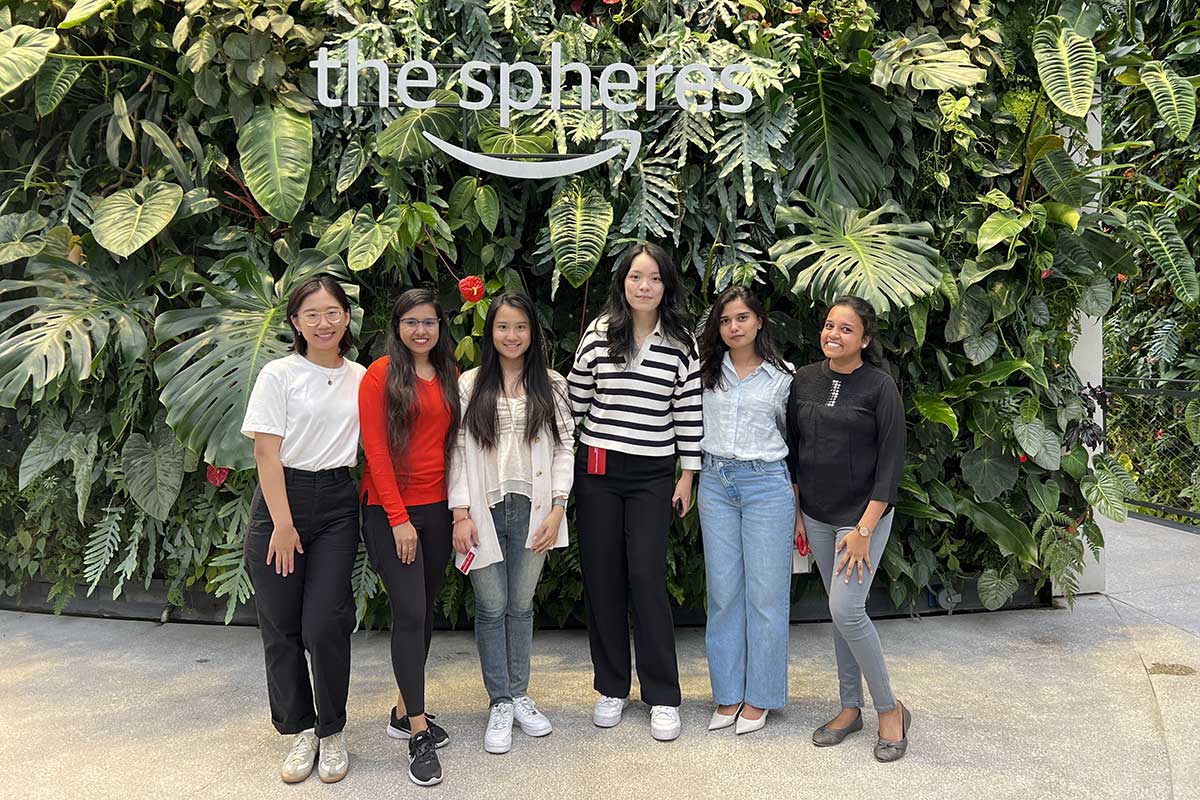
[969,316]
[1066,64]
[153,471]
[989,471]
[1160,238]
[1043,494]
[1001,226]
[22,52]
[102,545]
[71,317]
[487,205]
[841,149]
[1174,97]
[51,445]
[849,251]
[654,202]
[996,588]
[980,347]
[53,81]
[1103,492]
[275,148]
[354,158]
[579,221]
[82,11]
[368,239]
[1011,535]
[935,409]
[129,218]
[747,140]
[20,236]
[1191,420]
[1062,178]
[495,140]
[207,376]
[924,63]
[403,139]
[335,237]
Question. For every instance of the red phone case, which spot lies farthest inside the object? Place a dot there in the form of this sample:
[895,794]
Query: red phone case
[597,460]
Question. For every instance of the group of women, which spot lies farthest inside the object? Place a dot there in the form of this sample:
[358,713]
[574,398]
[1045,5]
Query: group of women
[482,464]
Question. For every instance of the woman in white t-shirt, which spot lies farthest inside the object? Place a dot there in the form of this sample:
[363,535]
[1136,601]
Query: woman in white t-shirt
[303,533]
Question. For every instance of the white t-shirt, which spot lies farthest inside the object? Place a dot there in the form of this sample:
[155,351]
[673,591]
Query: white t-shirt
[314,409]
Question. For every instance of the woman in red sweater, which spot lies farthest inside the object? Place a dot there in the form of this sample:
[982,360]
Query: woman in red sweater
[409,411]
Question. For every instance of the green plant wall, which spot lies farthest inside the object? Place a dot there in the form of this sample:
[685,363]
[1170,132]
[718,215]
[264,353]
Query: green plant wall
[168,176]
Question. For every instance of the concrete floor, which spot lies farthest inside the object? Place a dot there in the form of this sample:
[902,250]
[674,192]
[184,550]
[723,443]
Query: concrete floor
[1096,702]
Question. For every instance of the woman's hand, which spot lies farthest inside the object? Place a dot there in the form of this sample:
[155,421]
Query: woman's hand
[406,541]
[547,533]
[856,551]
[801,535]
[284,544]
[466,535]
[681,501]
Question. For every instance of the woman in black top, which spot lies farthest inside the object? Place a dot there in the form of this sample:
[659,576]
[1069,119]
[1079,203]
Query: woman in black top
[846,442]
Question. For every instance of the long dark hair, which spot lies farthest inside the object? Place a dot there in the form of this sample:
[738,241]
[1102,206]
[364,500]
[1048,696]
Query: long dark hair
[672,314]
[873,352]
[480,416]
[402,377]
[713,347]
[297,298]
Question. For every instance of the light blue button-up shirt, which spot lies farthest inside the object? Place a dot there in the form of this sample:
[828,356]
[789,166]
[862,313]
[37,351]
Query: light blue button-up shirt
[747,419]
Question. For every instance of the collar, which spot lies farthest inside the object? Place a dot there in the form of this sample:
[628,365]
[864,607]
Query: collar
[767,367]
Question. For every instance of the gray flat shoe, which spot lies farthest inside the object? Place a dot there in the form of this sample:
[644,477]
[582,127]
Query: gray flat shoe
[886,750]
[826,736]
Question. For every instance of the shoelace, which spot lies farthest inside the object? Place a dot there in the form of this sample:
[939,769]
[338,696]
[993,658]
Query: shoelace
[333,751]
[501,717]
[662,714]
[611,702]
[302,752]
[425,747]
[526,705]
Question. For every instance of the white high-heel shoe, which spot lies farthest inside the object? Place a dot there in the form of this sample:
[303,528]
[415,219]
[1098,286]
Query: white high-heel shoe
[750,725]
[719,720]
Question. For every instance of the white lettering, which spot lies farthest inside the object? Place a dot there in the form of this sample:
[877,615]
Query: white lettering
[485,91]
[731,85]
[683,85]
[607,83]
[508,103]
[322,65]
[353,66]
[652,73]
[404,83]
[558,72]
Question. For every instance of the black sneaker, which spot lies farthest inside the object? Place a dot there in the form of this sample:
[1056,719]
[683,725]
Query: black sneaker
[423,766]
[401,728]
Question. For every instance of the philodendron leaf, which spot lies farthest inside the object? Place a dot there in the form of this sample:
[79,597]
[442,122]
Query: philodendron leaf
[1043,494]
[82,11]
[1029,434]
[579,221]
[989,471]
[153,470]
[1011,535]
[275,148]
[1161,239]
[935,409]
[996,589]
[128,218]
[53,81]
[1103,492]
[1174,97]
[1066,64]
[20,236]
[22,52]
[368,239]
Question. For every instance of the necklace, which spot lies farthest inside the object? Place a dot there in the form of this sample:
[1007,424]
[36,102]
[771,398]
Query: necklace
[328,373]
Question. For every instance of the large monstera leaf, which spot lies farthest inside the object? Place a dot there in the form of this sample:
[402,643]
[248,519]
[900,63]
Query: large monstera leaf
[74,314]
[208,375]
[275,148]
[924,63]
[579,221]
[1066,64]
[22,52]
[849,251]
[129,218]
[840,144]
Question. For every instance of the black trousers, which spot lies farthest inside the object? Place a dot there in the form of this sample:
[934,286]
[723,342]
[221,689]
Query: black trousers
[411,588]
[624,518]
[311,609]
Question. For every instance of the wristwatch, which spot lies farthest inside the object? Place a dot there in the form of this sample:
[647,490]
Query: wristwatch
[863,531]
[561,502]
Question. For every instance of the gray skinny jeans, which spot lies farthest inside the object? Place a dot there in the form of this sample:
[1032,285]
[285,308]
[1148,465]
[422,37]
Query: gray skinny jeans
[855,641]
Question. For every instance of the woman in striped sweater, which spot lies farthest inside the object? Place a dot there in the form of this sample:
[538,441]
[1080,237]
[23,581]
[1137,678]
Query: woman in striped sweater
[635,392]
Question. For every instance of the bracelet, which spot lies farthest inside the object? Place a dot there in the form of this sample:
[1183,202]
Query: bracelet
[561,502]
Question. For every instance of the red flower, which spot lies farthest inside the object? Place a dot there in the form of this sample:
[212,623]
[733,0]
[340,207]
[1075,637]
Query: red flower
[1023,458]
[471,288]
[825,32]
[1046,273]
[1122,277]
[217,475]
[1158,434]
[1130,174]
[1071,529]
[611,2]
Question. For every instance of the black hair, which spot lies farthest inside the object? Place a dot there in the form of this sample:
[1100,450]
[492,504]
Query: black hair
[401,386]
[713,347]
[540,406]
[297,298]
[672,313]
[873,352]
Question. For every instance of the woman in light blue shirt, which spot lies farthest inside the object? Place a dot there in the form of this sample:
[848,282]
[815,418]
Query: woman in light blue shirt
[747,511]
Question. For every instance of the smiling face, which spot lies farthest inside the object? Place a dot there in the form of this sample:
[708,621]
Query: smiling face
[419,329]
[322,321]
[739,325]
[643,284]
[511,334]
[842,337]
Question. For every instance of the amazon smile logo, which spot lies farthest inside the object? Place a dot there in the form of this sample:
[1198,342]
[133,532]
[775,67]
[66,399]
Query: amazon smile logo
[508,96]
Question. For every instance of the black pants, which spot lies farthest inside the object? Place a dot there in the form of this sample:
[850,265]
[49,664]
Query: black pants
[624,518]
[312,609]
[411,589]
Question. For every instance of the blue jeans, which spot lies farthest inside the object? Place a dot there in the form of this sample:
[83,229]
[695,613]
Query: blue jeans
[748,514]
[855,641]
[504,603]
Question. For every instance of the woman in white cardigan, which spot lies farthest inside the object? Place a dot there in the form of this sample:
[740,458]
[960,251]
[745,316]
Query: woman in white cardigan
[510,476]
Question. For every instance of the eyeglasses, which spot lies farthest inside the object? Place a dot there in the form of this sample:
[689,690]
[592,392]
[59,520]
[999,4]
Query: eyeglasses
[312,319]
[412,323]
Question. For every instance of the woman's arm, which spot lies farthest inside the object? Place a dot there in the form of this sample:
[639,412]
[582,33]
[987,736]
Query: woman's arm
[581,380]
[372,417]
[285,540]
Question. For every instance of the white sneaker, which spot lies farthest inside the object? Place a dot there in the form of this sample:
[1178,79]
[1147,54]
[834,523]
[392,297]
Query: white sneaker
[334,762]
[498,736]
[608,711]
[532,721]
[299,762]
[664,723]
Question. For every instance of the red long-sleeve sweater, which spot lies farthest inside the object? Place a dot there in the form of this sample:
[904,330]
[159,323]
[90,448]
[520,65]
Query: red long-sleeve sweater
[421,478]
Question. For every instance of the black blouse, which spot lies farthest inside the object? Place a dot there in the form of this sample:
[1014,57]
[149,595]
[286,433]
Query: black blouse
[845,440]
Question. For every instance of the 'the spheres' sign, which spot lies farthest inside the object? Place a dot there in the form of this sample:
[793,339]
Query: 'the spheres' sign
[618,77]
